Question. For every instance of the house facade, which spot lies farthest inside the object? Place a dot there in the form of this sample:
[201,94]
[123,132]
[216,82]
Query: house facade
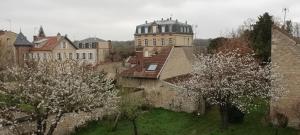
[164,32]
[93,50]
[7,39]
[285,55]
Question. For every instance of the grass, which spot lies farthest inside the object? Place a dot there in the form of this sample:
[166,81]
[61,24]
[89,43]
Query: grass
[164,122]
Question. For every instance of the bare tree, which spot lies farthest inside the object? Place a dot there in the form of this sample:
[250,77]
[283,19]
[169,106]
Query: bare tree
[56,88]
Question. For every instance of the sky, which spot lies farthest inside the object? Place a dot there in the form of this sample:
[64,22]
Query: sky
[116,19]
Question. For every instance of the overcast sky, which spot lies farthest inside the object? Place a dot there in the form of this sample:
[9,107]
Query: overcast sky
[116,19]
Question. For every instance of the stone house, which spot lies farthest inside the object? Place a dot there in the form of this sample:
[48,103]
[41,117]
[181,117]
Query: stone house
[7,39]
[93,50]
[150,69]
[286,54]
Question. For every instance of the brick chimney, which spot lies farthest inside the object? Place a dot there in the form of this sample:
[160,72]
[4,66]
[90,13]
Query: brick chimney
[140,59]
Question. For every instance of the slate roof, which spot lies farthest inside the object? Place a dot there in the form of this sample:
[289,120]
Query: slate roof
[160,59]
[21,40]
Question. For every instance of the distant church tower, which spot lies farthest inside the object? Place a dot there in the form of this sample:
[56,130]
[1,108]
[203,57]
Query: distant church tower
[41,33]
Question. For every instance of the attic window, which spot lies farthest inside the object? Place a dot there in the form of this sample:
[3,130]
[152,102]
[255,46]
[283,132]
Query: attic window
[152,67]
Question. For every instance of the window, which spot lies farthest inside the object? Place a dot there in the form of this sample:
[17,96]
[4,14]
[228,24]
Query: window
[162,41]
[83,55]
[65,56]
[181,29]
[188,30]
[154,41]
[152,67]
[90,56]
[146,42]
[24,56]
[94,45]
[139,30]
[170,41]
[63,45]
[139,42]
[154,28]
[163,29]
[58,56]
[70,56]
[80,45]
[146,30]
[77,56]
[170,28]
[86,45]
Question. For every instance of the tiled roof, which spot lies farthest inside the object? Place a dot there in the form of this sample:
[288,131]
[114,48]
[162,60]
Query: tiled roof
[159,59]
[48,45]
[21,40]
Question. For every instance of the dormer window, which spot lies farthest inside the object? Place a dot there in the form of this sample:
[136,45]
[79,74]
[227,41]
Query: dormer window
[80,45]
[139,30]
[154,29]
[163,29]
[146,30]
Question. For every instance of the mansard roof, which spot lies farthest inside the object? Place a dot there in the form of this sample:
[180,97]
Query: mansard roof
[21,40]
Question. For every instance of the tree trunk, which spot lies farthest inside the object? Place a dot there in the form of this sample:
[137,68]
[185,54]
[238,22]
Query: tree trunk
[116,122]
[134,127]
[224,116]
[54,124]
[40,124]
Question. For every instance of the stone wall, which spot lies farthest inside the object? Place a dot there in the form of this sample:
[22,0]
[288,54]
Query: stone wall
[67,124]
[286,54]
[165,95]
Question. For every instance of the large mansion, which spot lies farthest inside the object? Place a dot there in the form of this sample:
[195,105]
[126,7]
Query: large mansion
[164,32]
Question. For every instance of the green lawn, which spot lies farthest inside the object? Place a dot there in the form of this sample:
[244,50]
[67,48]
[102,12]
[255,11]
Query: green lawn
[164,122]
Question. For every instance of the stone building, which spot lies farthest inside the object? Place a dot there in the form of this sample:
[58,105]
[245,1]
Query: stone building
[286,54]
[93,50]
[150,69]
[52,47]
[163,33]
[22,48]
[7,39]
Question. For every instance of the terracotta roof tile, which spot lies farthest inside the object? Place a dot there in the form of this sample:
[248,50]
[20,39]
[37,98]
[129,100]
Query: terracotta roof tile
[49,45]
[159,59]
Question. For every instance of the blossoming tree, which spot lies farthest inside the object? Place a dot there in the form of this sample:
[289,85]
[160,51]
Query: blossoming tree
[56,88]
[225,79]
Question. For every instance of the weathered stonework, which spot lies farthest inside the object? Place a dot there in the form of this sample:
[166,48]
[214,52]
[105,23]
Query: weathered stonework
[286,54]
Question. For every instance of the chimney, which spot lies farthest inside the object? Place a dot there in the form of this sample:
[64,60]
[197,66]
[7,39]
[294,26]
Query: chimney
[35,38]
[185,22]
[109,46]
[58,35]
[162,19]
[170,18]
[146,21]
[140,59]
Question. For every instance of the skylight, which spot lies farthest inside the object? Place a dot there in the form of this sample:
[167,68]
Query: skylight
[152,67]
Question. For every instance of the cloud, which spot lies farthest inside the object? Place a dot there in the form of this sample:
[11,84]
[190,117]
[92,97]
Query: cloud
[116,19]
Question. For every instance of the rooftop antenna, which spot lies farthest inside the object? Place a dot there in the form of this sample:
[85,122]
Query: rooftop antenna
[285,10]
